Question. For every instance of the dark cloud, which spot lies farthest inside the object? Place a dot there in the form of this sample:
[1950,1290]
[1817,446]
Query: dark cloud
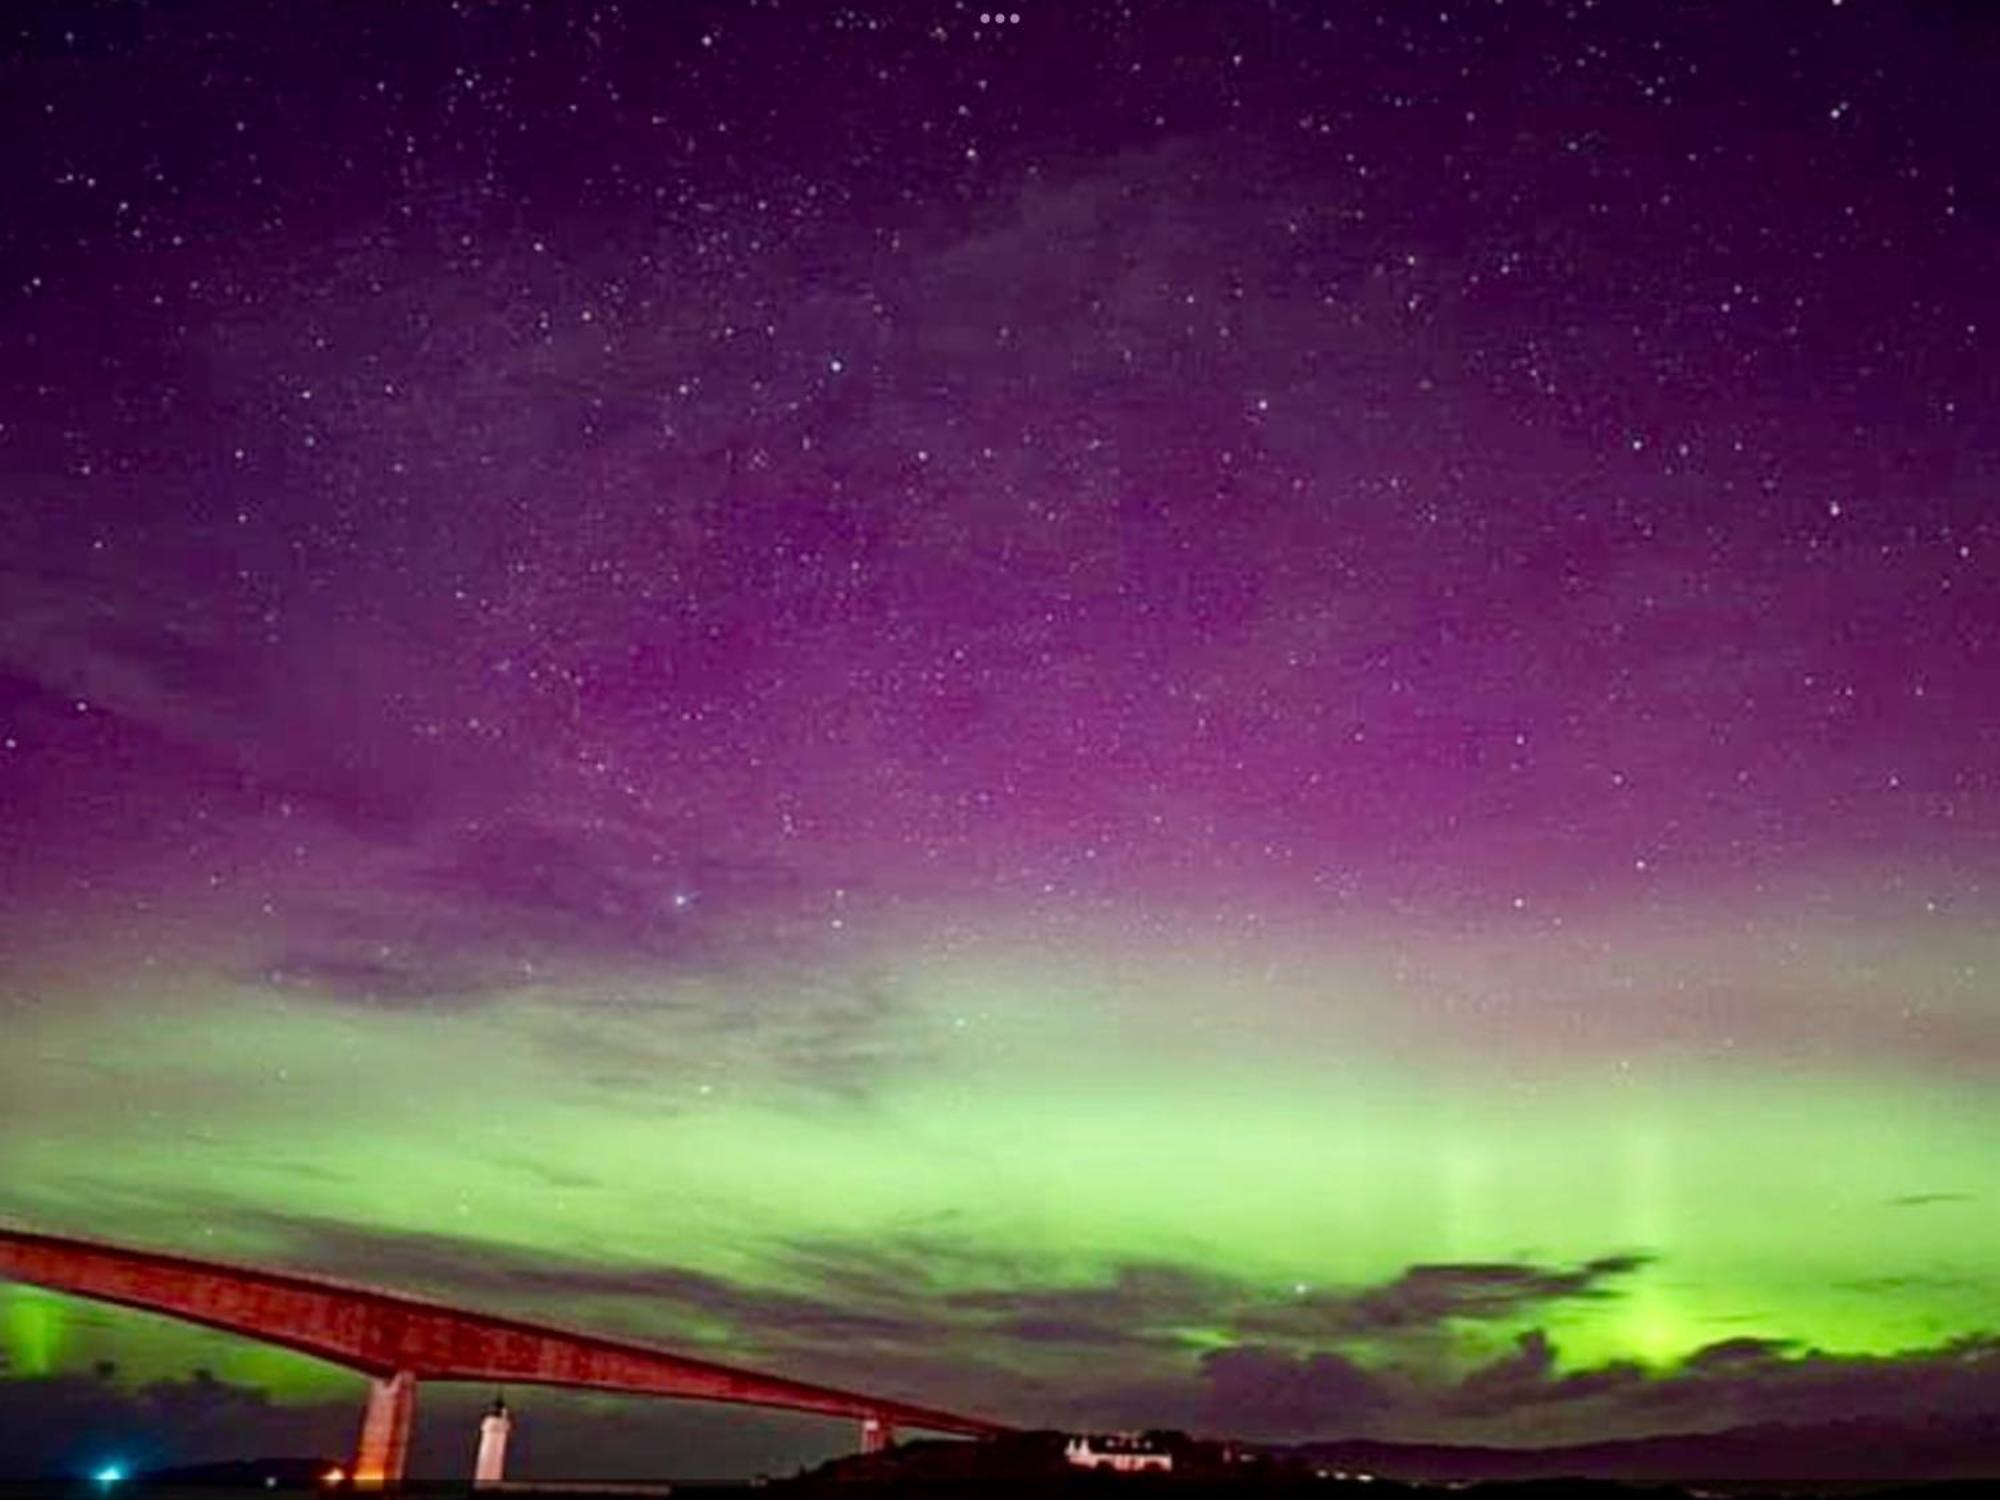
[1737,1354]
[1912,1281]
[914,1265]
[1529,1375]
[917,1299]
[1530,1364]
[1432,1294]
[924,1306]
[1150,1304]
[564,889]
[474,912]
[1044,1330]
[1426,1298]
[389,983]
[1262,1392]
[637,1301]
[1771,1383]
[1732,1382]
[177,689]
[620,926]
[1925,1200]
[444,904]
[617,924]
[832,1035]
[1529,1396]
[1136,1298]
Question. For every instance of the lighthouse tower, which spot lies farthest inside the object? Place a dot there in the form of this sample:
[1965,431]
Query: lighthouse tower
[491,1465]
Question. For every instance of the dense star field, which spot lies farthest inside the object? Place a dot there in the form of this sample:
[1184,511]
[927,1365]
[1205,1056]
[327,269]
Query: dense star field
[1278,718]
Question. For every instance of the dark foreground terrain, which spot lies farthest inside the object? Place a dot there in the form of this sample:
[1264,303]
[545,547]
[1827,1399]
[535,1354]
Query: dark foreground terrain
[1078,1487]
[1934,1459]
[1830,1458]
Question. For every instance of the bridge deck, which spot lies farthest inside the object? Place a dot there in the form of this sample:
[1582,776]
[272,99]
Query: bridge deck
[383,1334]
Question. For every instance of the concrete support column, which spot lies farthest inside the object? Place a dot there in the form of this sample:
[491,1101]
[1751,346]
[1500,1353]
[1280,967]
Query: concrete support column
[490,1466]
[385,1432]
[877,1434]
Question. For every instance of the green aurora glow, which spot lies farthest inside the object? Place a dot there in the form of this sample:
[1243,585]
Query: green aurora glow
[1036,1126]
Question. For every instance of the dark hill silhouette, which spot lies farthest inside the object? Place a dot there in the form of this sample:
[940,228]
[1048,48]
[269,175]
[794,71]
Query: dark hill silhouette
[1838,1455]
[1846,1451]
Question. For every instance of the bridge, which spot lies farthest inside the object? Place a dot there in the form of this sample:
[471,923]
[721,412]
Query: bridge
[396,1341]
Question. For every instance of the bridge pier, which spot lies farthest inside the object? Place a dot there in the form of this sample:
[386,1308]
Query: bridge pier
[385,1432]
[877,1433]
[489,1468]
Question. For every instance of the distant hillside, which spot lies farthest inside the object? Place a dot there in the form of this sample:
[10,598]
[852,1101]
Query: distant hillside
[250,1473]
[1854,1451]
[1840,1454]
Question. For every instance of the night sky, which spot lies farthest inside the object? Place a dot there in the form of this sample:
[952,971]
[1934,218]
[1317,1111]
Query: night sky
[1271,717]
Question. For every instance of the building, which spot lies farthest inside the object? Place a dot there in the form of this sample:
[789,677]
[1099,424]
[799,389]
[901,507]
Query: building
[1121,1452]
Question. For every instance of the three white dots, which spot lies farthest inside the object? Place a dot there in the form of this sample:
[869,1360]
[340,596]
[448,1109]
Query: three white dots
[999,18]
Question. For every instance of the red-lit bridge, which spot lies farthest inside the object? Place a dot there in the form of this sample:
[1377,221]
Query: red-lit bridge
[396,1341]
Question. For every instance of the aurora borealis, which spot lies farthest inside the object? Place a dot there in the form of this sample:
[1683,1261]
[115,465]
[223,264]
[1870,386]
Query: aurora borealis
[1277,719]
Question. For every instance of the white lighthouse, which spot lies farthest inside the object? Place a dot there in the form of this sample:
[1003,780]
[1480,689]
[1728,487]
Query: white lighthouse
[491,1465]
